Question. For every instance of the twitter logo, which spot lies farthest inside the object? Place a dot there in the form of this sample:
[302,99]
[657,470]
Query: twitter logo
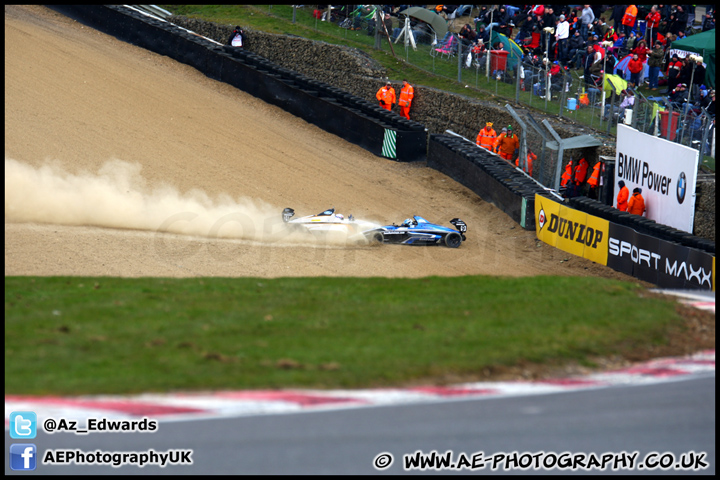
[23,425]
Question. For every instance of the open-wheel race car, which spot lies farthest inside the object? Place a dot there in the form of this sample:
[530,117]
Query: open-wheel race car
[418,231]
[327,221]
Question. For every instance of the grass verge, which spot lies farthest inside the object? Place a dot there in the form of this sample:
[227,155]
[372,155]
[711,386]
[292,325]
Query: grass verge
[82,335]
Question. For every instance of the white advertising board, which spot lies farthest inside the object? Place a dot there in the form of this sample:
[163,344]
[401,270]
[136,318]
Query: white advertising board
[666,172]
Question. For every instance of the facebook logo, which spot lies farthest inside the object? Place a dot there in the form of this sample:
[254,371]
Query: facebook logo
[23,456]
[23,425]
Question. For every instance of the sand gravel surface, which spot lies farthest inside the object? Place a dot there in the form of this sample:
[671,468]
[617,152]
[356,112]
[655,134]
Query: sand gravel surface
[122,162]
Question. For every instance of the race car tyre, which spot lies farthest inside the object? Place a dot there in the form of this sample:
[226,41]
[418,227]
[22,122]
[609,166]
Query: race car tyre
[453,240]
[378,237]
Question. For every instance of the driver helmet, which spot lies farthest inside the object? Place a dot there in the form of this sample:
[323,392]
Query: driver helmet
[408,222]
[340,216]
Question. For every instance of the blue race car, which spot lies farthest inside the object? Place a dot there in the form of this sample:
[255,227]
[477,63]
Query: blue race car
[418,231]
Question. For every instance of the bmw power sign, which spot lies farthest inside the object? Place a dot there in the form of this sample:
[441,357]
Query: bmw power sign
[664,171]
[681,187]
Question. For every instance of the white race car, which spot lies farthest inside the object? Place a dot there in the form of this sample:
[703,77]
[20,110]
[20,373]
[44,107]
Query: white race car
[329,222]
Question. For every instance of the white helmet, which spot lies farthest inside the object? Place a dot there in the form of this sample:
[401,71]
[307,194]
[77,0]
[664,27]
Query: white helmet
[408,222]
[340,216]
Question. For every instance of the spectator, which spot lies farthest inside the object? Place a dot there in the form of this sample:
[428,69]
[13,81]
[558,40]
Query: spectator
[526,30]
[237,37]
[386,96]
[636,67]
[680,94]
[622,197]
[629,19]
[708,22]
[586,18]
[642,52]
[576,48]
[618,11]
[711,106]
[699,76]
[631,42]
[591,67]
[574,21]
[562,32]
[483,17]
[443,10]
[548,20]
[679,23]
[655,64]
[618,46]
[483,34]
[636,204]
[508,145]
[653,23]
[628,100]
[486,137]
[407,92]
[666,11]
[686,71]
[610,35]
[673,73]
[387,21]
[467,34]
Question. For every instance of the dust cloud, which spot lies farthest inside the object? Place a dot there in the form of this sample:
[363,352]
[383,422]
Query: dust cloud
[117,196]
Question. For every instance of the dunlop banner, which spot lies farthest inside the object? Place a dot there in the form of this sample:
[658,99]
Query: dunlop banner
[571,230]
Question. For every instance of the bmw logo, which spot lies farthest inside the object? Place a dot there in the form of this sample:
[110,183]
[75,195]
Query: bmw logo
[681,187]
[541,218]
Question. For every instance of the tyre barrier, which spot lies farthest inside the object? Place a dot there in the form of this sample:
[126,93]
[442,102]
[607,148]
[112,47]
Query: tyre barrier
[641,225]
[492,178]
[382,133]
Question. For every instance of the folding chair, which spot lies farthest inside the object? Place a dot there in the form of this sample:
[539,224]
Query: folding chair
[534,43]
[448,47]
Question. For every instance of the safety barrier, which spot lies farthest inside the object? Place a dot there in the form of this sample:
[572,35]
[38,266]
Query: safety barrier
[660,261]
[380,132]
[641,224]
[492,178]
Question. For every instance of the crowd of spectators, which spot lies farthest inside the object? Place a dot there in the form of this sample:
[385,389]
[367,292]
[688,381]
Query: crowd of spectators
[591,38]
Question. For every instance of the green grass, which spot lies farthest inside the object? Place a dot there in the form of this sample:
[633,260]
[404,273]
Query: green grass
[79,335]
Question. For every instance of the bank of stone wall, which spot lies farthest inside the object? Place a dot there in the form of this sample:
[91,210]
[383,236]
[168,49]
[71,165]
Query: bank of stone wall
[356,72]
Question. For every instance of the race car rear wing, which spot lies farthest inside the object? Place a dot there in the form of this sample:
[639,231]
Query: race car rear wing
[459,224]
[287,214]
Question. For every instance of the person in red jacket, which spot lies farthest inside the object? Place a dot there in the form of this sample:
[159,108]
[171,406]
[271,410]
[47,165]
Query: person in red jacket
[581,171]
[567,174]
[653,23]
[486,137]
[636,204]
[594,180]
[386,96]
[622,198]
[406,97]
[530,157]
[673,73]
[636,67]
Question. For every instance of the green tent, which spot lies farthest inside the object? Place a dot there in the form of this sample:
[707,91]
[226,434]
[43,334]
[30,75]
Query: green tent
[704,44]
[515,52]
